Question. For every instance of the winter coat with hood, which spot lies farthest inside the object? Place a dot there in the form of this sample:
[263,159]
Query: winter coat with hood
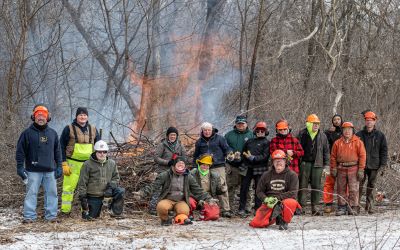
[166,149]
[282,186]
[236,139]
[332,136]
[348,152]
[95,176]
[215,145]
[322,147]
[259,148]
[162,186]
[376,148]
[215,182]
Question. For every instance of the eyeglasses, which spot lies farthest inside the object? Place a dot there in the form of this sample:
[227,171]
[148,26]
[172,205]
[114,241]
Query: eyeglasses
[101,152]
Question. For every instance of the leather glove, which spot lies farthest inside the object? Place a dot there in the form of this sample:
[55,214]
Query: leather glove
[22,173]
[170,162]
[107,201]
[66,168]
[326,172]
[58,173]
[334,172]
[270,201]
[237,156]
[137,195]
[230,156]
[213,201]
[360,175]
[248,155]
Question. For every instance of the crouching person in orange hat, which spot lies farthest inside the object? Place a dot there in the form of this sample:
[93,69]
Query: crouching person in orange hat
[277,189]
[175,187]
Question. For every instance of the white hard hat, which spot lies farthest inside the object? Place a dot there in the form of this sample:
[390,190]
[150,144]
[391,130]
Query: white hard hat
[101,146]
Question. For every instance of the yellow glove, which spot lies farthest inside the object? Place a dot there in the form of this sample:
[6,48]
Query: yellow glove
[66,168]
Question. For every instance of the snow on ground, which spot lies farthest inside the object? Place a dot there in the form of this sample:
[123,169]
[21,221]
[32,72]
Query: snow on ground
[380,231]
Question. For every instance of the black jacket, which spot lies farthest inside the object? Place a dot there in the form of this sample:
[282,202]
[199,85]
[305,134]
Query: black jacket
[259,147]
[376,147]
[333,136]
[39,150]
[323,155]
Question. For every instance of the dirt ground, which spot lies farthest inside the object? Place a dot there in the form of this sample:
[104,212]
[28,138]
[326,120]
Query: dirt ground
[142,231]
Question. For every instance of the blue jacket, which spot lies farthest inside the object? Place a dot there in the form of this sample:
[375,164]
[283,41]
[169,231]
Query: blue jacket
[39,150]
[215,145]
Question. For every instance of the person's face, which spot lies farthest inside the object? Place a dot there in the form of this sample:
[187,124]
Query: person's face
[180,166]
[204,167]
[283,131]
[172,137]
[207,132]
[279,165]
[337,121]
[82,118]
[315,127]
[370,123]
[40,119]
[260,132]
[241,126]
[101,155]
[347,133]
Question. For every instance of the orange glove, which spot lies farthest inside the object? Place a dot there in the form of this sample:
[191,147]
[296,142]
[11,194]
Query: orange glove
[66,168]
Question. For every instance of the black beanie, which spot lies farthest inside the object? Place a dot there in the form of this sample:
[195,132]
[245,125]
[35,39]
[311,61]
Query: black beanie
[82,110]
[172,130]
[177,159]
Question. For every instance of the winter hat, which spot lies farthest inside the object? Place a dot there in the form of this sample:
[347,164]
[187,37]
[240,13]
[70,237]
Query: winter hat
[172,130]
[241,119]
[81,110]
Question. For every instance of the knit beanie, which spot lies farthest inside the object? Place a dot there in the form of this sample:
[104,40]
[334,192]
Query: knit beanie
[82,110]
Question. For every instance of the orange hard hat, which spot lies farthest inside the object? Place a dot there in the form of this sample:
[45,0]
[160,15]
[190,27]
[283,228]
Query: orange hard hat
[278,154]
[180,219]
[347,125]
[41,110]
[260,125]
[370,115]
[313,118]
[282,124]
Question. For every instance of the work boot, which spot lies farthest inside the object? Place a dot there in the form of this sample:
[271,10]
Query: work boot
[242,213]
[54,220]
[342,210]
[153,212]
[226,214]
[187,222]
[167,222]
[328,208]
[282,225]
[28,221]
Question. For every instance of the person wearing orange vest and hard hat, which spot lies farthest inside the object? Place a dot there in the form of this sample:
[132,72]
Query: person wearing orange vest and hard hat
[347,164]
[377,156]
[315,159]
[77,140]
[277,189]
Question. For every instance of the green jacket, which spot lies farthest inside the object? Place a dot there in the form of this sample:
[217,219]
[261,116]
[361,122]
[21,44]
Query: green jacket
[162,186]
[95,176]
[215,182]
[236,139]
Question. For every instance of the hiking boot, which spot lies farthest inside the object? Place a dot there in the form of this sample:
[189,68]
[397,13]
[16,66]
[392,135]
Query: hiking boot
[187,222]
[283,226]
[167,222]
[54,220]
[341,211]
[153,212]
[65,215]
[28,221]
[243,213]
[227,214]
[328,209]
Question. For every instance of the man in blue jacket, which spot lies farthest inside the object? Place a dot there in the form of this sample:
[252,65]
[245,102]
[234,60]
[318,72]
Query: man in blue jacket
[38,159]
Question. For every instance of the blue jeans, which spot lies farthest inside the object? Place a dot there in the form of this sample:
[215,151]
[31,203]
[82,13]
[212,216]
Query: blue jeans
[49,183]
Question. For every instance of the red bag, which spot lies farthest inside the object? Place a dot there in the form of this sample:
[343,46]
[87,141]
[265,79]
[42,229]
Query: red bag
[289,207]
[262,217]
[210,212]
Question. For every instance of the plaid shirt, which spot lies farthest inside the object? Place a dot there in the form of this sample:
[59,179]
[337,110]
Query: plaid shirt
[288,143]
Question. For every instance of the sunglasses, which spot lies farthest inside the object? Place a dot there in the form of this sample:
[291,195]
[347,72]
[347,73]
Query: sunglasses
[101,152]
[260,131]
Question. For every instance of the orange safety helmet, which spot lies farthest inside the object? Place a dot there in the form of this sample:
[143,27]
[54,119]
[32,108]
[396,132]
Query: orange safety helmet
[260,125]
[282,124]
[180,219]
[347,125]
[370,115]
[278,154]
[40,108]
[313,118]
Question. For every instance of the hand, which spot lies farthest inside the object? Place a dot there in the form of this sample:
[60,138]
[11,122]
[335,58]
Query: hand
[58,173]
[290,152]
[66,168]
[200,203]
[237,156]
[22,173]
[170,162]
[84,204]
[326,171]
[333,172]
[230,156]
[249,156]
[271,201]
[137,195]
[360,174]
[107,201]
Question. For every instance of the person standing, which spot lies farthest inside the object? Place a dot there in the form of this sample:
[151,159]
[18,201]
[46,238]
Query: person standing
[315,159]
[38,159]
[236,139]
[77,140]
[347,165]
[210,142]
[377,156]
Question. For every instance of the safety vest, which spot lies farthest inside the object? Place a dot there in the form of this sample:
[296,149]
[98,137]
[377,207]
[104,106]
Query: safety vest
[80,145]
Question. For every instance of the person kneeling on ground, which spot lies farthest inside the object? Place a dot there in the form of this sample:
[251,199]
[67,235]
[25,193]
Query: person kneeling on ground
[98,184]
[175,186]
[277,189]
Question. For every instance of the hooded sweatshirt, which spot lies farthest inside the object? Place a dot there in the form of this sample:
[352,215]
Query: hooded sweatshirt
[334,135]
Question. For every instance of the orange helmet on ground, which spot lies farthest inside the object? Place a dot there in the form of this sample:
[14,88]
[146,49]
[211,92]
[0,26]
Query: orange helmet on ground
[347,125]
[282,124]
[180,219]
[370,115]
[260,125]
[278,154]
[313,118]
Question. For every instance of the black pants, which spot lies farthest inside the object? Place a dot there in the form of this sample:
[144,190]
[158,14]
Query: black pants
[244,189]
[117,205]
[371,174]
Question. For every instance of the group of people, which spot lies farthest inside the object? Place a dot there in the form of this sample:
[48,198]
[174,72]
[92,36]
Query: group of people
[223,166]
[79,156]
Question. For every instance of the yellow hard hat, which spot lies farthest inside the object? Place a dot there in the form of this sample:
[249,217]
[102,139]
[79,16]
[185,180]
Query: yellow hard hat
[205,159]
